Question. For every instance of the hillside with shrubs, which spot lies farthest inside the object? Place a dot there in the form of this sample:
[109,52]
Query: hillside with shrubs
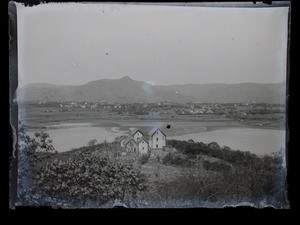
[103,175]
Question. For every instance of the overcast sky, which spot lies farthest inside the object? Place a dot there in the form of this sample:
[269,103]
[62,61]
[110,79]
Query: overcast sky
[77,43]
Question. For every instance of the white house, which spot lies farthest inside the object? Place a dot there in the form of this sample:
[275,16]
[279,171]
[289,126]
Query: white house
[140,143]
[122,140]
[131,145]
[157,139]
[137,135]
[143,146]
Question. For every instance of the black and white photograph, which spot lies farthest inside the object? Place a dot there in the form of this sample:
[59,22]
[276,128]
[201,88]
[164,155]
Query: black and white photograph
[151,105]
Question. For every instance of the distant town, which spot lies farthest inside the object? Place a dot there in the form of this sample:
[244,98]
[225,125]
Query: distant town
[259,114]
[246,108]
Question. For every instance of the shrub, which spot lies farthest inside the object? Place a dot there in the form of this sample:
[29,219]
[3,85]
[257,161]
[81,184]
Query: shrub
[31,153]
[214,146]
[192,184]
[92,142]
[249,176]
[176,158]
[73,179]
[144,159]
[216,166]
[87,177]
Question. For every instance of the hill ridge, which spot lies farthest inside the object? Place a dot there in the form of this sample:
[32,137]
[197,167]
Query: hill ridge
[127,90]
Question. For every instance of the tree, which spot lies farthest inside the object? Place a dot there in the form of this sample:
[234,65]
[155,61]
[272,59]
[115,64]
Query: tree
[144,158]
[176,158]
[258,178]
[214,146]
[30,151]
[92,142]
[89,178]
[191,141]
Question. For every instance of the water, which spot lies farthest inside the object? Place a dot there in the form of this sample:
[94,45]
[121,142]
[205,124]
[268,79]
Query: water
[68,136]
[259,141]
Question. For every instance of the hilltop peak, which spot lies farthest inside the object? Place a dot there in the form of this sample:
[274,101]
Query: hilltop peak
[126,78]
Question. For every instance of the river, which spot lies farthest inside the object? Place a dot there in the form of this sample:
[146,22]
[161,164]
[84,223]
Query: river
[260,141]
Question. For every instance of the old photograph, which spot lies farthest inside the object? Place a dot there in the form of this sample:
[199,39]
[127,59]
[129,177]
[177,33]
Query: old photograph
[170,105]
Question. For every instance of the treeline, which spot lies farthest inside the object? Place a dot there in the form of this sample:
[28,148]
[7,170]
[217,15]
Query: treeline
[231,176]
[213,149]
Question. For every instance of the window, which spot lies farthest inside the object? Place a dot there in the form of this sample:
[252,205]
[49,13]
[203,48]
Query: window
[156,139]
[156,146]
[143,148]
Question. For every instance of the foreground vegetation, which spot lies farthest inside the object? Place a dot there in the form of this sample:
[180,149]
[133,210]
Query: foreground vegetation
[101,175]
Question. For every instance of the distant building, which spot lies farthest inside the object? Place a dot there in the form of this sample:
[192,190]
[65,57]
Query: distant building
[157,139]
[142,143]
[143,146]
[137,135]
[131,145]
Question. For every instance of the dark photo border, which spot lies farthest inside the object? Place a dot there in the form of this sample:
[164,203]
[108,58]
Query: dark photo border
[181,216]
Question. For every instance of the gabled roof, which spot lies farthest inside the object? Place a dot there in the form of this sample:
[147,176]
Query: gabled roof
[151,132]
[121,138]
[136,132]
[127,141]
[124,141]
[142,139]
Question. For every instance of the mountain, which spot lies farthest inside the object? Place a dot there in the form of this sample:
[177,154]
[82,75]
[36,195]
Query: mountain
[127,90]
[124,90]
[231,93]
